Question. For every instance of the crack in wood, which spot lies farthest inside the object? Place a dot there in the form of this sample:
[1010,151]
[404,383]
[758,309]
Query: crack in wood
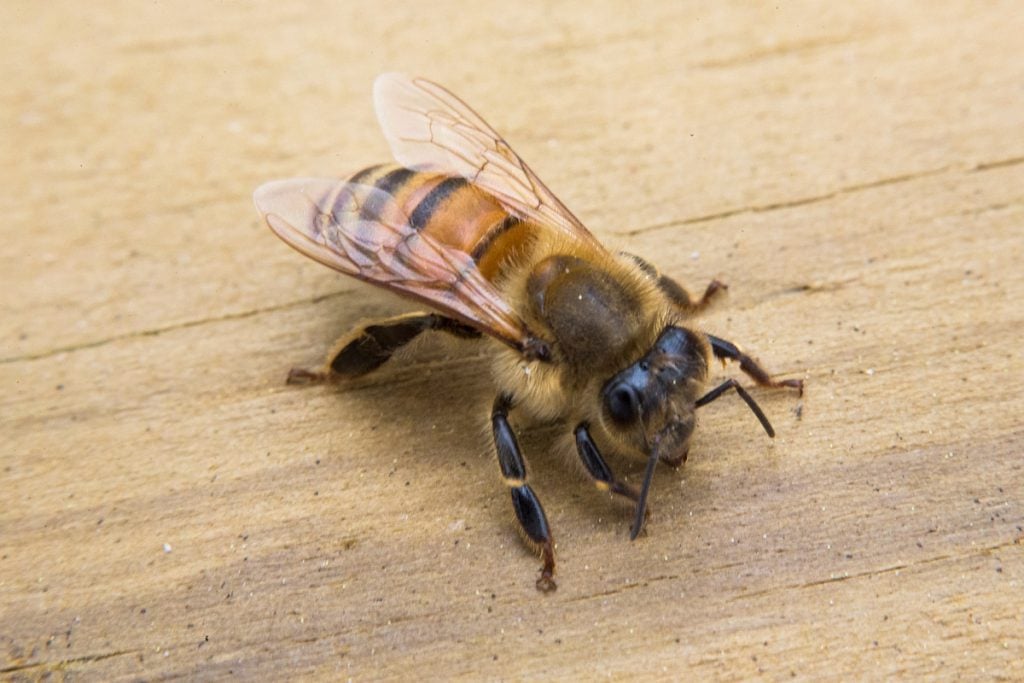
[878,572]
[64,663]
[780,50]
[156,331]
[807,584]
[1002,163]
[792,203]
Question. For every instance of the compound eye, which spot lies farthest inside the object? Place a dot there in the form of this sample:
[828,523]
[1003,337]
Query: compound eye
[622,402]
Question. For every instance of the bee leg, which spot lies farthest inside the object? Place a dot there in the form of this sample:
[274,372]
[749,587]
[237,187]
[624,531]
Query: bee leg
[598,469]
[726,350]
[368,347]
[532,521]
[681,298]
[596,466]
[676,293]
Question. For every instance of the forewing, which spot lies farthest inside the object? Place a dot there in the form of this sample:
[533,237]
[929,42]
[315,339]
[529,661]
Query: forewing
[363,232]
[429,128]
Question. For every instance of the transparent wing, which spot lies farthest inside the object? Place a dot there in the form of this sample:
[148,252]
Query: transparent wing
[429,128]
[364,232]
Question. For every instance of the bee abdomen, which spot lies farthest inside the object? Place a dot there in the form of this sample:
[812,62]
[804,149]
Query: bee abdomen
[449,209]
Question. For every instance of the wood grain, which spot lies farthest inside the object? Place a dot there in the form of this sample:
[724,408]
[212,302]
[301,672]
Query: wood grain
[172,509]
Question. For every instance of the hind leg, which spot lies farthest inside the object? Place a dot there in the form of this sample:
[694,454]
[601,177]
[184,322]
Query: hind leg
[366,348]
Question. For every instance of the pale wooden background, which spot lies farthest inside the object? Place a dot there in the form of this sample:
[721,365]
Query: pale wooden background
[856,174]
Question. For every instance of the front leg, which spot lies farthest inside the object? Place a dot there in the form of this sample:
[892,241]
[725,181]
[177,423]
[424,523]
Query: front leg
[532,521]
[596,466]
[598,469]
[726,350]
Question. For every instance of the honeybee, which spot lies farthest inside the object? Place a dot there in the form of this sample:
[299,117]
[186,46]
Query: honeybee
[594,339]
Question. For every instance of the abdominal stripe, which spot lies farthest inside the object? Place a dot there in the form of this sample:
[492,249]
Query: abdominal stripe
[363,175]
[494,233]
[393,181]
[388,185]
[428,206]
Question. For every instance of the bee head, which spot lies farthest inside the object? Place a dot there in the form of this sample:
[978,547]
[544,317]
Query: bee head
[651,404]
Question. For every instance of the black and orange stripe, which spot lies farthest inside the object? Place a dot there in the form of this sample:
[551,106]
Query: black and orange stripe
[449,209]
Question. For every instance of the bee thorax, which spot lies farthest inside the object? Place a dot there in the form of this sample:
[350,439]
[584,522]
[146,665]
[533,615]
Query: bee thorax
[591,316]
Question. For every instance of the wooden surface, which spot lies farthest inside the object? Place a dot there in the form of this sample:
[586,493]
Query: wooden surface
[171,508]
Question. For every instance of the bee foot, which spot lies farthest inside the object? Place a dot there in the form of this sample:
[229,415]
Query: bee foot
[546,584]
[302,376]
[715,288]
[797,384]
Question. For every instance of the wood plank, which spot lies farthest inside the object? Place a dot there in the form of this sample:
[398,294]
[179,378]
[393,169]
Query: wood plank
[856,174]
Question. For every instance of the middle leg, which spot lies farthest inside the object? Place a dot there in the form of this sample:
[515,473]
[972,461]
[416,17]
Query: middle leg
[676,293]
